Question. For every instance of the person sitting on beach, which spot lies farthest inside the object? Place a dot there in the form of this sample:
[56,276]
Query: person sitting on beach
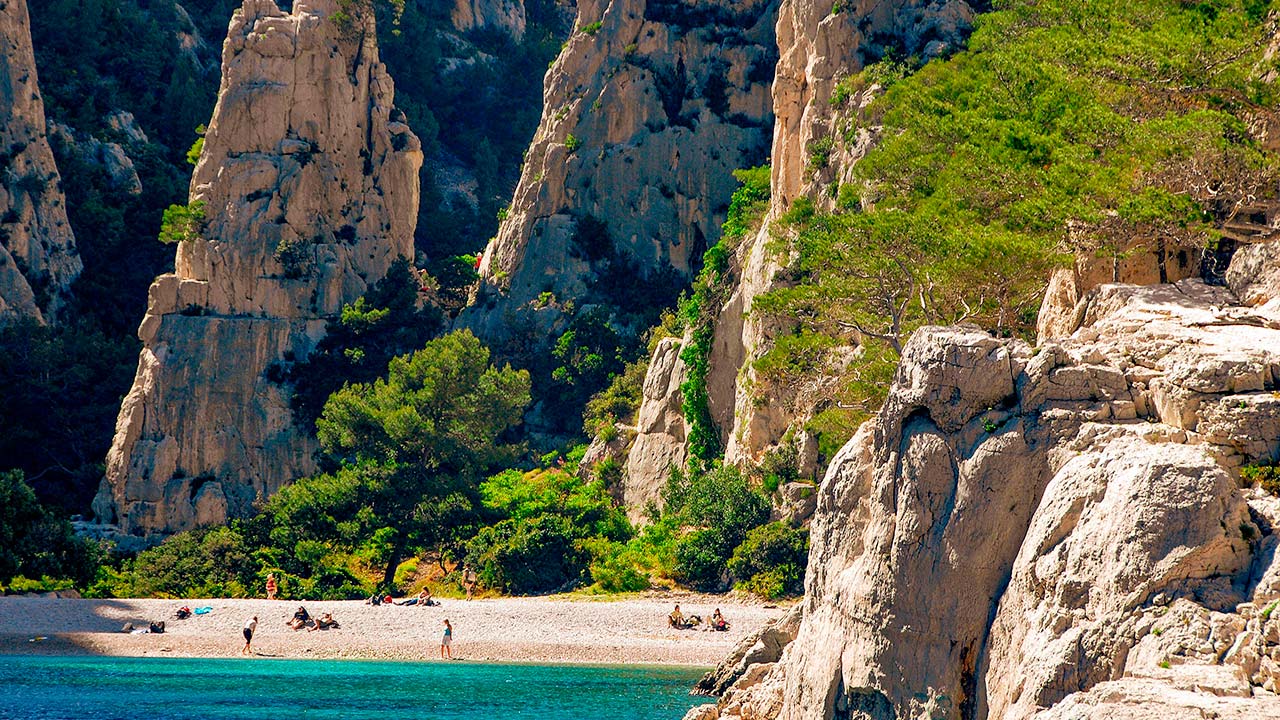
[374,599]
[183,613]
[676,618]
[718,622]
[324,622]
[300,618]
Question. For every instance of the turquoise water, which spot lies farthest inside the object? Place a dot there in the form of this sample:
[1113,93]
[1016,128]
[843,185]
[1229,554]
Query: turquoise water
[159,688]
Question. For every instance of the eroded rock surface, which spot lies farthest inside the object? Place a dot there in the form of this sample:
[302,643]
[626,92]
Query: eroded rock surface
[1052,532]
[38,258]
[647,111]
[506,16]
[308,183]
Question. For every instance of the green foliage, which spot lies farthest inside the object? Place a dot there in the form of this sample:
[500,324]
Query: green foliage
[588,355]
[357,346]
[553,526]
[35,543]
[619,402]
[1065,127]
[197,147]
[748,204]
[700,310]
[209,562]
[182,223]
[820,153]
[61,387]
[426,433]
[771,561]
[572,143]
[720,508]
[1265,476]
[592,28]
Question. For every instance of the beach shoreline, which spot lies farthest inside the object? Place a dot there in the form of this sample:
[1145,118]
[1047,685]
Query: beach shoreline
[551,630]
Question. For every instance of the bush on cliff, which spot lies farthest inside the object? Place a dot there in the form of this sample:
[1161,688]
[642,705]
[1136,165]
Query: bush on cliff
[1092,127]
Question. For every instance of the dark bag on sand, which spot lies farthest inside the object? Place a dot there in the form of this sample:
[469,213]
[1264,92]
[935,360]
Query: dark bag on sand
[157,627]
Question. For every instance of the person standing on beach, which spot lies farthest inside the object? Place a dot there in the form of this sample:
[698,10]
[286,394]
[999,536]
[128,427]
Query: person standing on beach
[446,642]
[272,587]
[469,580]
[249,627]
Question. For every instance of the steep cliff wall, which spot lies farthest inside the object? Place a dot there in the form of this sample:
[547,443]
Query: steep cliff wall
[818,45]
[648,110]
[1053,532]
[38,259]
[308,184]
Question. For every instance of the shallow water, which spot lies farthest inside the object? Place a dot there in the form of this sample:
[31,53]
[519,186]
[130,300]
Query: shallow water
[101,688]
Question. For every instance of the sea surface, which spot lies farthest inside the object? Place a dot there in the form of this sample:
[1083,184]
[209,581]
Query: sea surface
[101,688]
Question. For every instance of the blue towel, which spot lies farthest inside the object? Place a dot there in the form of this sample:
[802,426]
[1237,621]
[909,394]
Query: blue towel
[203,610]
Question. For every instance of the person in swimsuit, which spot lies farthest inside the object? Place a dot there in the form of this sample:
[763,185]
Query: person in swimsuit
[446,642]
[272,587]
[249,627]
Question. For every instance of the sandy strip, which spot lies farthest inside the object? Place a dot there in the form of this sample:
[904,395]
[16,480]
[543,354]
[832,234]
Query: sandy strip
[551,630]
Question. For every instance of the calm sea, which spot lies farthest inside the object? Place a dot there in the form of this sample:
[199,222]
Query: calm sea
[254,689]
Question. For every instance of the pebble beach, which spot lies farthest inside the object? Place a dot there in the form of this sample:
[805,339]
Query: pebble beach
[542,629]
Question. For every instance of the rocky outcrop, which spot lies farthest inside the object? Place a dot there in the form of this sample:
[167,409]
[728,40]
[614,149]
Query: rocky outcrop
[110,156]
[38,258]
[818,45]
[1140,264]
[647,111]
[660,432]
[1052,532]
[506,16]
[761,648]
[308,186]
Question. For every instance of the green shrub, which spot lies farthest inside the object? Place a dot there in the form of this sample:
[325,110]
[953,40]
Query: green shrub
[592,28]
[1265,476]
[771,561]
[182,223]
[528,556]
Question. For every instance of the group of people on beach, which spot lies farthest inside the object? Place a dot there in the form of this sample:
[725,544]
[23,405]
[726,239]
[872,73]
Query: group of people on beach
[680,621]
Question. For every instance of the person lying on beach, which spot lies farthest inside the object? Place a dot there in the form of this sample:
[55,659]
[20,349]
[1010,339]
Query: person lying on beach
[300,618]
[422,599]
[324,622]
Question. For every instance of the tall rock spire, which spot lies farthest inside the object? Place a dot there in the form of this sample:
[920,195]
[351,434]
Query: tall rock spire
[306,192]
[38,258]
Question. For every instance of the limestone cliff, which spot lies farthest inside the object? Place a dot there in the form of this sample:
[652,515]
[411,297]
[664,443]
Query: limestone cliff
[818,45]
[648,110]
[506,16]
[308,187]
[38,259]
[1054,532]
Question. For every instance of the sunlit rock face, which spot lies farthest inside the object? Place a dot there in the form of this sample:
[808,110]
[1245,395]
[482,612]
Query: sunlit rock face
[308,182]
[38,258]
[1053,532]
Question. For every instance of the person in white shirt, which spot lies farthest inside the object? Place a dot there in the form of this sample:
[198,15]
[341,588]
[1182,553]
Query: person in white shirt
[249,627]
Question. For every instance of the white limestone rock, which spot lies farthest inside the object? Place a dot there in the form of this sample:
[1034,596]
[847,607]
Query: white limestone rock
[38,257]
[309,183]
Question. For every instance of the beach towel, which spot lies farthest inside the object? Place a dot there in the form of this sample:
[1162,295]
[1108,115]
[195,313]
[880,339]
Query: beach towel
[203,610]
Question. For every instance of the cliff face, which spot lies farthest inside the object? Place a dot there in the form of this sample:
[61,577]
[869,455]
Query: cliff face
[38,259]
[1053,532]
[505,16]
[818,45]
[308,184]
[648,110]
